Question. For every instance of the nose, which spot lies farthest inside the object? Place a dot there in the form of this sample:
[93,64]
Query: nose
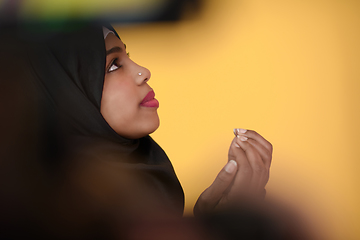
[143,75]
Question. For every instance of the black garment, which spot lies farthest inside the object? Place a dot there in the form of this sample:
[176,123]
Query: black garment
[68,68]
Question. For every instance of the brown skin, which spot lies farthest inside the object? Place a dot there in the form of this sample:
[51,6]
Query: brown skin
[123,92]
[243,182]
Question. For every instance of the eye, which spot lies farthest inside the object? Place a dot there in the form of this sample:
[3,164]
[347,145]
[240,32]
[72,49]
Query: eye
[114,65]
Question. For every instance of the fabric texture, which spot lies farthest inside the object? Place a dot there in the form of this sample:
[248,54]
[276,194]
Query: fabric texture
[106,31]
[68,68]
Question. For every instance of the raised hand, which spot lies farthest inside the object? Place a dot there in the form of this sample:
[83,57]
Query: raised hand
[244,176]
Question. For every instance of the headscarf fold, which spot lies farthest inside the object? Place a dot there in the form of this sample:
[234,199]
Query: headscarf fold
[68,69]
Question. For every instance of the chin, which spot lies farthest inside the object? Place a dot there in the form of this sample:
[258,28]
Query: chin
[143,129]
[151,126]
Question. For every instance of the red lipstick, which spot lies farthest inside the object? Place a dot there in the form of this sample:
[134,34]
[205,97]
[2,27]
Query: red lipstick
[149,100]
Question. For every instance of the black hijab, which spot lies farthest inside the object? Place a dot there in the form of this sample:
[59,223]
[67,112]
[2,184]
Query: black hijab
[68,69]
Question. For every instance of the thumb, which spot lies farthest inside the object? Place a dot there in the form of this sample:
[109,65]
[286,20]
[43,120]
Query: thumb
[212,195]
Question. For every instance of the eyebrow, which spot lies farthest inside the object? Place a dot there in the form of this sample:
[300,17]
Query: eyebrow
[114,49]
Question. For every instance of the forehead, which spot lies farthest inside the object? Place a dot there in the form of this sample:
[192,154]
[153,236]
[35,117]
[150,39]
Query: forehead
[112,41]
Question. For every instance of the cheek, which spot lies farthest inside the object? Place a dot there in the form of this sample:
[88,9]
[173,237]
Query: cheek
[120,107]
[119,103]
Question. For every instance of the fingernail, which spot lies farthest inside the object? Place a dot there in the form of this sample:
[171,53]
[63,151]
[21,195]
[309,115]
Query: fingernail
[242,138]
[231,166]
[237,145]
[235,131]
[242,130]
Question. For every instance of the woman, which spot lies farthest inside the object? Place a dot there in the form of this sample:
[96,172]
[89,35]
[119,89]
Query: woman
[126,88]
[96,111]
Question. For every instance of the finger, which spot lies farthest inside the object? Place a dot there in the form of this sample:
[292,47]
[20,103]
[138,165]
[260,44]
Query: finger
[244,174]
[212,195]
[263,146]
[233,150]
[266,156]
[231,154]
[254,135]
[260,173]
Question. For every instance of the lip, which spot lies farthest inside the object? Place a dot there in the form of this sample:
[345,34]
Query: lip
[149,100]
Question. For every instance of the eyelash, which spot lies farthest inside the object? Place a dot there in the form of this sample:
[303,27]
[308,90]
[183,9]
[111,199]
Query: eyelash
[114,63]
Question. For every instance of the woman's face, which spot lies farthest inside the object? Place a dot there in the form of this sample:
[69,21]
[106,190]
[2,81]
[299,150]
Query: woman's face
[127,102]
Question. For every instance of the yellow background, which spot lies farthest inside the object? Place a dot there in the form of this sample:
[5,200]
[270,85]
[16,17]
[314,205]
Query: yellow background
[287,69]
